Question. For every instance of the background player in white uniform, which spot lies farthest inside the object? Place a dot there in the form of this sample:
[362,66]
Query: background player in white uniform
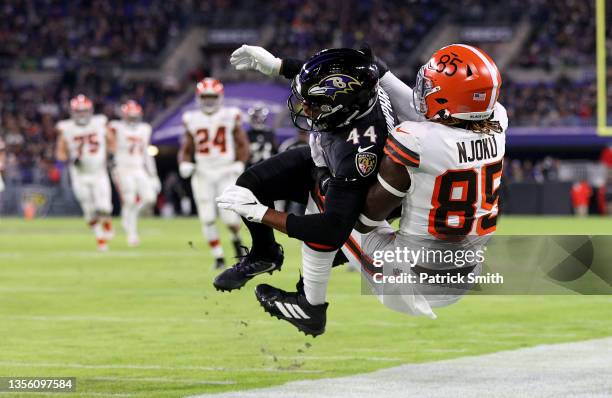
[81,141]
[445,171]
[215,138]
[134,173]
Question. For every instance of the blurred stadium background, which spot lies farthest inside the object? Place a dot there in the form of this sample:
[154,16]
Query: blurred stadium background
[146,322]
[154,51]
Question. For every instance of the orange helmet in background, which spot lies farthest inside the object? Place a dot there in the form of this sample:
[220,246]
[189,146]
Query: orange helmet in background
[81,109]
[458,81]
[209,94]
[131,111]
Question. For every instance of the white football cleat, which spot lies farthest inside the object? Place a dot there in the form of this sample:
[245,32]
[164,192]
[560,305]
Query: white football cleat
[133,241]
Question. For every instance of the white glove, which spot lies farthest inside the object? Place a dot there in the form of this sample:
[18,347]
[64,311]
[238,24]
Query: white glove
[256,58]
[316,151]
[155,184]
[238,167]
[243,202]
[186,169]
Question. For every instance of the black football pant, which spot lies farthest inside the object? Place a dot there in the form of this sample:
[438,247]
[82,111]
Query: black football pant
[286,176]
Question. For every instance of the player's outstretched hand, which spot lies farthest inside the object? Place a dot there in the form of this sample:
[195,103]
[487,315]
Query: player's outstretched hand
[256,58]
[243,202]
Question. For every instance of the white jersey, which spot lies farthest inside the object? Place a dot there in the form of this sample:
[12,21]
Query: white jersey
[455,176]
[132,142]
[86,142]
[213,136]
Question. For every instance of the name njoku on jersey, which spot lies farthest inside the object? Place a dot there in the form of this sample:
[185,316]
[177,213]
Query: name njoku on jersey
[484,148]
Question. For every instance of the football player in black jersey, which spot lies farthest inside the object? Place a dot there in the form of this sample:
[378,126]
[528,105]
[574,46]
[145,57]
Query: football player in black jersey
[336,96]
[261,136]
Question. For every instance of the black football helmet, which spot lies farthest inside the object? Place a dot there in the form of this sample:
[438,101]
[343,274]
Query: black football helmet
[332,89]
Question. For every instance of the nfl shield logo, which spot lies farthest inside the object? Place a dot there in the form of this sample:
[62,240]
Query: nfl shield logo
[366,163]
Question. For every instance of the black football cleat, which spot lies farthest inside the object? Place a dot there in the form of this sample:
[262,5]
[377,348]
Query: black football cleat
[293,308]
[219,263]
[248,267]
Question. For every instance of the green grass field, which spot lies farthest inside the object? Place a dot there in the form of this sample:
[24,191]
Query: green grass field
[146,322]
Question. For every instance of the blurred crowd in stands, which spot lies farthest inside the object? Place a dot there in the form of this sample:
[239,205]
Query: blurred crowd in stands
[90,41]
[563,34]
[56,33]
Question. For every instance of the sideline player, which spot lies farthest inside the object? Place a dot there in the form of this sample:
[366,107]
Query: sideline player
[261,137]
[215,138]
[134,171]
[81,141]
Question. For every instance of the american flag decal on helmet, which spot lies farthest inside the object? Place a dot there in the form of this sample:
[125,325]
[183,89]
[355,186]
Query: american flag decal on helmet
[480,97]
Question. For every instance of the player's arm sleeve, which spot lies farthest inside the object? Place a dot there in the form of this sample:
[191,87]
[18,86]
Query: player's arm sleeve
[400,95]
[290,67]
[331,228]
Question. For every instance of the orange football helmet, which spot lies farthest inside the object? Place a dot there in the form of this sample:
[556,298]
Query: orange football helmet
[209,93]
[460,81]
[131,111]
[81,109]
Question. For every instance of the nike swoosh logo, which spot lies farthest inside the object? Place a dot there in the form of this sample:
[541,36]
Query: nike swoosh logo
[399,130]
[360,149]
[270,268]
[250,203]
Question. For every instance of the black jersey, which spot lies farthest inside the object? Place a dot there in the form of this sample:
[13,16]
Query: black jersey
[353,152]
[263,145]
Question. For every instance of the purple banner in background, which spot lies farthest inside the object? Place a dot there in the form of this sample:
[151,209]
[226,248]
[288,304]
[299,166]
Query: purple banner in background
[242,95]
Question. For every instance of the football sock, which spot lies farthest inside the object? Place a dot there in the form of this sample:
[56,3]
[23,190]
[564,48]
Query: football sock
[107,224]
[262,236]
[316,273]
[263,240]
[98,231]
[210,232]
[129,214]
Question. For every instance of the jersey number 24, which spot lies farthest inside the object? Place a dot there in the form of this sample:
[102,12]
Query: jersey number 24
[204,142]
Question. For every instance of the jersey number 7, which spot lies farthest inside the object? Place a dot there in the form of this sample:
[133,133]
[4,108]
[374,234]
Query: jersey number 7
[456,195]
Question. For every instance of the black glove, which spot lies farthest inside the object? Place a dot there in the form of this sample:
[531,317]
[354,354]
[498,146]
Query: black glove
[77,162]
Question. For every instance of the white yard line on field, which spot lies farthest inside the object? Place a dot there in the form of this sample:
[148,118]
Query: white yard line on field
[151,367]
[573,370]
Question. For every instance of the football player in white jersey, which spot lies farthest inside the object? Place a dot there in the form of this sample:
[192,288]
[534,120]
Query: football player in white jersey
[134,171]
[81,141]
[215,139]
[444,167]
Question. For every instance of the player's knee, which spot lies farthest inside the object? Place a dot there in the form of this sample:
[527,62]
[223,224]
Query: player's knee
[248,180]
